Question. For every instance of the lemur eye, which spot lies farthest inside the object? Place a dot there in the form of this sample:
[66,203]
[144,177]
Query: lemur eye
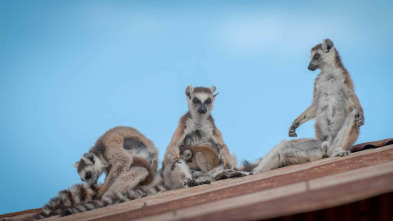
[316,56]
[195,100]
[88,175]
[82,180]
[208,101]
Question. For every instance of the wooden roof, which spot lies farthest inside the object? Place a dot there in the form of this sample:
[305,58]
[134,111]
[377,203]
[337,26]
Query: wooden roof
[290,190]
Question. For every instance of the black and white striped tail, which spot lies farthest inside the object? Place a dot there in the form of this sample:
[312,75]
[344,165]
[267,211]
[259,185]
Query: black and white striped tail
[106,201]
[74,195]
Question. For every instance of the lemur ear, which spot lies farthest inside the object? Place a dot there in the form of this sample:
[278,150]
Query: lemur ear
[327,45]
[76,164]
[189,90]
[89,158]
[213,89]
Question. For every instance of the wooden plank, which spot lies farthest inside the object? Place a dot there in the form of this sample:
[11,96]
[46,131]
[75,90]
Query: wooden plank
[309,201]
[312,170]
[374,208]
[278,202]
[22,215]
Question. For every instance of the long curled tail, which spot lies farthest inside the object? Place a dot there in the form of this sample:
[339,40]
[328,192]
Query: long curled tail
[74,195]
[118,197]
[106,201]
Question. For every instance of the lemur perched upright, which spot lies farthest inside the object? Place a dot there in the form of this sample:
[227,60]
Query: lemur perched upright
[336,109]
[129,160]
[196,127]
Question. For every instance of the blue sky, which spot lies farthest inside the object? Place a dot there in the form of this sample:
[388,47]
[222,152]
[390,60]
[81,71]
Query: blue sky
[70,70]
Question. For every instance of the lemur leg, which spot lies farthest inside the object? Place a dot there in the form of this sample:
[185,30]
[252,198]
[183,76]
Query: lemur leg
[177,175]
[346,136]
[224,150]
[202,162]
[291,152]
[123,163]
[127,181]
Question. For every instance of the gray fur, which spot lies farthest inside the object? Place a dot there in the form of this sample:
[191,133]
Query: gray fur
[336,109]
[290,153]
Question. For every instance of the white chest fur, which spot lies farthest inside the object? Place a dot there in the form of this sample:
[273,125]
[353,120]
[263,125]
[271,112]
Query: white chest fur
[197,131]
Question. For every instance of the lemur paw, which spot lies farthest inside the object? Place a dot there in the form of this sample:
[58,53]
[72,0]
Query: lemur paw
[192,183]
[341,153]
[359,119]
[231,174]
[292,129]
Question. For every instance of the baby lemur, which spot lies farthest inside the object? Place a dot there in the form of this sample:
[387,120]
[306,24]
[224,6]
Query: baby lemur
[201,157]
[336,109]
[196,127]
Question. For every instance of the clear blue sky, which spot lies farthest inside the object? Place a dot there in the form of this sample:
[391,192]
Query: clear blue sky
[70,70]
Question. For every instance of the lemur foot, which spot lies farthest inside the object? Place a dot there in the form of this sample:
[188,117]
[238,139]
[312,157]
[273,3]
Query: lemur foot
[231,174]
[359,119]
[341,153]
[292,129]
[192,183]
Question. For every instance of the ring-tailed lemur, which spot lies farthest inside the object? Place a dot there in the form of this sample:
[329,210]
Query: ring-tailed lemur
[336,109]
[195,127]
[114,153]
[127,157]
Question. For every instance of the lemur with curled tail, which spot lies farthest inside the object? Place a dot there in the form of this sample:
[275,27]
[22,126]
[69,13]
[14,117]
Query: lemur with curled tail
[336,109]
[196,127]
[129,160]
[114,153]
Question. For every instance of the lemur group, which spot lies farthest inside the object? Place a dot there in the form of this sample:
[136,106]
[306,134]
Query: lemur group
[197,153]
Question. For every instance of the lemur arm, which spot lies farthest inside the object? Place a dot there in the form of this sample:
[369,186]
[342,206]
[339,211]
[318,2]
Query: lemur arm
[120,162]
[172,151]
[224,151]
[355,104]
[307,115]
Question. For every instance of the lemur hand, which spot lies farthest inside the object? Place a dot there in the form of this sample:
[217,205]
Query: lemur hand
[359,119]
[292,129]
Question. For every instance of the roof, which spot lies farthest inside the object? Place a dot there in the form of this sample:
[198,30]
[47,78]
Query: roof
[296,189]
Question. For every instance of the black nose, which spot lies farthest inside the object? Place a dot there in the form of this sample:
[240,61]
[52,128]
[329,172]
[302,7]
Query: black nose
[202,110]
[312,67]
[88,175]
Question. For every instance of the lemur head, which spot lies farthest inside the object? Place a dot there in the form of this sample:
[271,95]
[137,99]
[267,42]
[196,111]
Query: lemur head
[90,167]
[200,99]
[323,55]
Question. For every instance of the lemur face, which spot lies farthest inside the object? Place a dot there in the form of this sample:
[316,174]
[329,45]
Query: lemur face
[90,167]
[321,55]
[200,99]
